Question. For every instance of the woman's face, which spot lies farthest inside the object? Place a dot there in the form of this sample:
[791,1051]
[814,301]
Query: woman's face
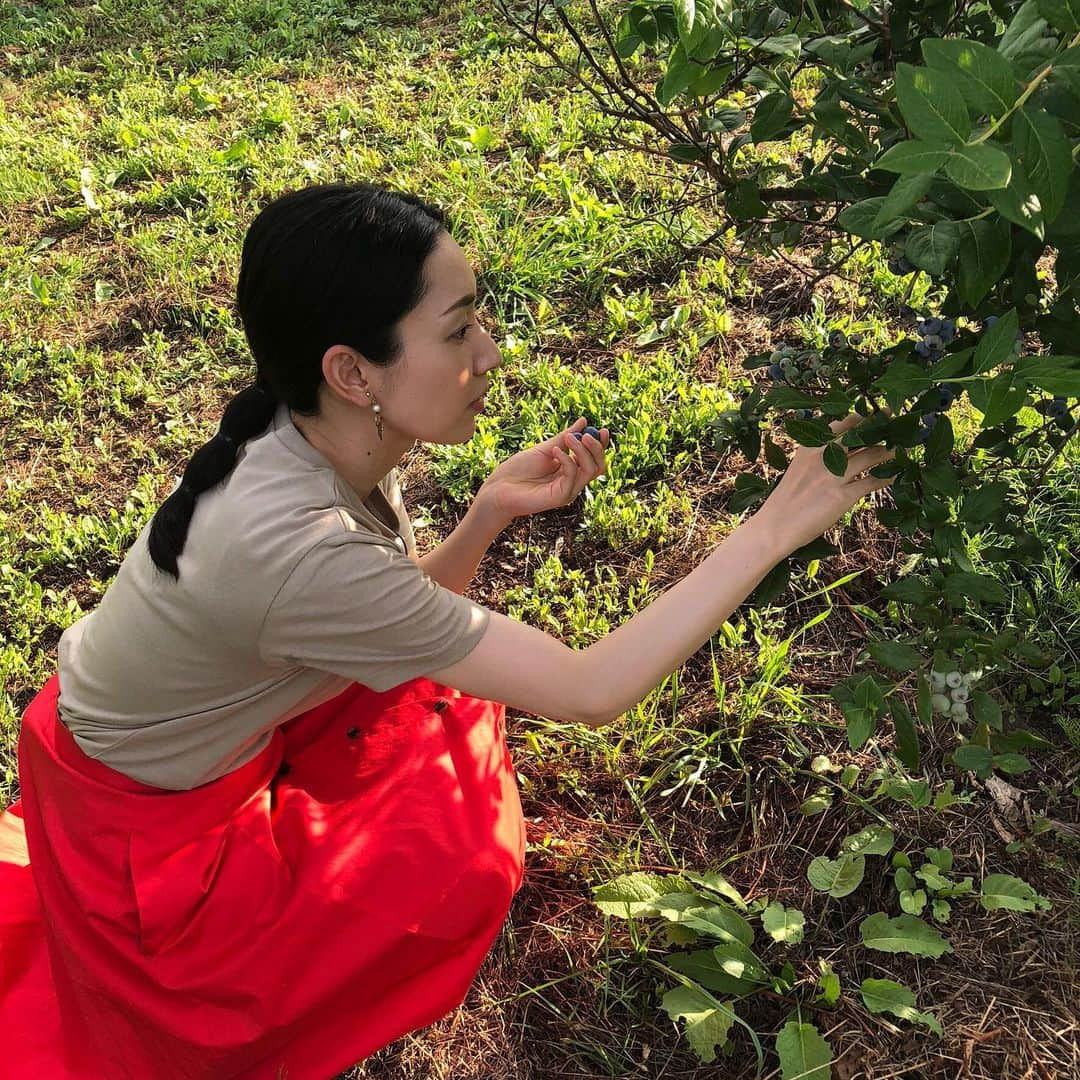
[447,355]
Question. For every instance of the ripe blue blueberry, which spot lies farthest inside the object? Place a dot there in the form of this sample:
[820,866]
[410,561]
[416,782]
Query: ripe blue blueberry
[989,321]
[775,373]
[590,430]
[922,348]
[1057,408]
[837,340]
[931,326]
[947,397]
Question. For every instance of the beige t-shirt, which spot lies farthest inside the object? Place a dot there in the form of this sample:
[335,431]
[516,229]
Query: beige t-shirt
[290,589]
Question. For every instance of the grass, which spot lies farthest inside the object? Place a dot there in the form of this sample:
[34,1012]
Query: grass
[136,145]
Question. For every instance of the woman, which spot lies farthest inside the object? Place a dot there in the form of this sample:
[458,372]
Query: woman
[271,821]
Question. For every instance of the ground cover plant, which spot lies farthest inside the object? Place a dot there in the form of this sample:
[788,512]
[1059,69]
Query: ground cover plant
[842,839]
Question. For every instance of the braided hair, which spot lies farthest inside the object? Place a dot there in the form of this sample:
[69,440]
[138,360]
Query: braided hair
[329,264]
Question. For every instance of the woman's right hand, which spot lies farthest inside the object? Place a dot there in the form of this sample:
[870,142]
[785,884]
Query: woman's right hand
[809,498]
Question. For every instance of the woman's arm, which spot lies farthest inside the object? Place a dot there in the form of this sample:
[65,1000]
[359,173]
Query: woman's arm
[453,563]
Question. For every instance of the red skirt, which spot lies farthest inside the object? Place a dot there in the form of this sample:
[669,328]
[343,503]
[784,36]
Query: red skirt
[285,920]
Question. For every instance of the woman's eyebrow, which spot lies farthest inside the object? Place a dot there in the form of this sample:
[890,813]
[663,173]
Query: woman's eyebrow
[463,302]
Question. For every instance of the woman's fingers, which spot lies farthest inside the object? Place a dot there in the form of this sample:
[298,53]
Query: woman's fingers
[867,458]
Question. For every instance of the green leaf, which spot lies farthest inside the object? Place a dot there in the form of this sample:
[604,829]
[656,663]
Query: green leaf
[984,250]
[979,167]
[902,934]
[635,894]
[873,840]
[1055,374]
[836,461]
[837,877]
[1013,764]
[703,967]
[984,504]
[715,919]
[722,120]
[1024,31]
[829,982]
[933,247]
[1018,202]
[973,758]
[986,78]
[905,379]
[996,344]
[895,655]
[860,724]
[907,735]
[913,901]
[884,995]
[914,157]
[903,195]
[1062,15]
[864,219]
[771,116]
[810,432]
[783,924]
[998,398]
[815,804]
[931,104]
[986,710]
[740,962]
[1003,891]
[804,1053]
[963,584]
[707,1024]
[908,590]
[1046,155]
[715,882]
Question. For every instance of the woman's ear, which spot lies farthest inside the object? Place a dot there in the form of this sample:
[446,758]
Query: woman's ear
[343,372]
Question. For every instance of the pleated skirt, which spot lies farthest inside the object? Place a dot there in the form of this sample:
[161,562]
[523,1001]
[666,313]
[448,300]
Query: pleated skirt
[286,920]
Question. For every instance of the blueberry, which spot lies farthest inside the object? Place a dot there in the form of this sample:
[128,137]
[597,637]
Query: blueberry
[922,348]
[929,420]
[775,373]
[1057,408]
[837,340]
[931,326]
[933,341]
[948,330]
[590,430]
[947,397]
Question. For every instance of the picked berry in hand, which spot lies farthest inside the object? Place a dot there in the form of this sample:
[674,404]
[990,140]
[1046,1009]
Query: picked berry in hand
[590,430]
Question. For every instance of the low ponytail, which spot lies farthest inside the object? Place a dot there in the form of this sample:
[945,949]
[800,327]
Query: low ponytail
[248,414]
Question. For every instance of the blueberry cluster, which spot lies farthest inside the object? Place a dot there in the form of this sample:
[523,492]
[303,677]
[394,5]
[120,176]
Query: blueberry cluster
[951,690]
[934,335]
[798,367]
[947,393]
[590,430]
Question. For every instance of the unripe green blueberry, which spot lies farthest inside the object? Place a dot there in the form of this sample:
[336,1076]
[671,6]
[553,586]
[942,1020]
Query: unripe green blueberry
[958,711]
[937,681]
[953,679]
[940,703]
[960,693]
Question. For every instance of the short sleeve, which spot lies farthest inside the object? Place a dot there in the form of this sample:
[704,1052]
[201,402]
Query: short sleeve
[368,613]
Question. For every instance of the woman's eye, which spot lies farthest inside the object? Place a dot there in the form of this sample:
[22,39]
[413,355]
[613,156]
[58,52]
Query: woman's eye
[460,335]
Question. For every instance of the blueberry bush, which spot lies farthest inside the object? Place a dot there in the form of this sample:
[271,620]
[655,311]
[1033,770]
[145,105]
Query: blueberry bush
[943,133]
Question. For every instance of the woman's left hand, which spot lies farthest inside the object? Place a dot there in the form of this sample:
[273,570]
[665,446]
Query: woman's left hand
[545,476]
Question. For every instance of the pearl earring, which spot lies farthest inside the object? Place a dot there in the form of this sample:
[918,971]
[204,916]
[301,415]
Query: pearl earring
[377,409]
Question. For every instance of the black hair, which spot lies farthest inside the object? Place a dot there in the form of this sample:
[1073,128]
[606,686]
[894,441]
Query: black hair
[330,264]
